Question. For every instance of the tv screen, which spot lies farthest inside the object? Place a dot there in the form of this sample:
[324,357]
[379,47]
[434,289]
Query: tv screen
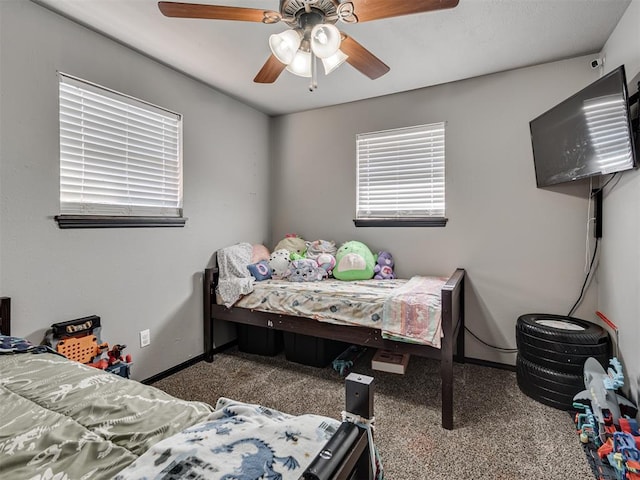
[588,134]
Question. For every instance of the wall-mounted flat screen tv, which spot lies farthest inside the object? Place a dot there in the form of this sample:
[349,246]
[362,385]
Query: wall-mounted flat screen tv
[588,134]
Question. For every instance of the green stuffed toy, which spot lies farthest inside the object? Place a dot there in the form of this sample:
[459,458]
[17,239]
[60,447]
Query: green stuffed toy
[354,261]
[294,244]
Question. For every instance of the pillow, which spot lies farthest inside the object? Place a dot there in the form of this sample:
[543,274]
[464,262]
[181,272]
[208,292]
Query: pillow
[259,253]
[354,261]
[260,270]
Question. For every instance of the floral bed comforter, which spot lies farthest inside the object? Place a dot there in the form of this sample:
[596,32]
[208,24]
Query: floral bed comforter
[404,310]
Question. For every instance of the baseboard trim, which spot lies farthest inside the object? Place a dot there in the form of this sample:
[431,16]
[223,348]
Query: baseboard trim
[227,346]
[487,363]
[187,364]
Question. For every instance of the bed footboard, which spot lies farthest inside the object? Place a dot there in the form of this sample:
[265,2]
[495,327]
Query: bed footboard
[5,316]
[452,305]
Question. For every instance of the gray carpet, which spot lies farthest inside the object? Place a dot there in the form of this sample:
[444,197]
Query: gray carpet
[499,432]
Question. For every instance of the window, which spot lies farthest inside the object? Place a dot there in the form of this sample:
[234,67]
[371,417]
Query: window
[120,159]
[401,177]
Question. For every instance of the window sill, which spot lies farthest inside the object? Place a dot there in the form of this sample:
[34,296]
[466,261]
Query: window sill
[101,221]
[404,222]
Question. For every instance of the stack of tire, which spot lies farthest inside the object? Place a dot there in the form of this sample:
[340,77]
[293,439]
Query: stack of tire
[552,350]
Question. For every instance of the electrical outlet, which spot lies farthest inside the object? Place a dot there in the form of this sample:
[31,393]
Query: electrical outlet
[145,338]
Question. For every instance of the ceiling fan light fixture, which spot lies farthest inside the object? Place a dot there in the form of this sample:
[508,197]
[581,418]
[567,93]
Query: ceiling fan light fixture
[301,64]
[334,61]
[285,45]
[325,40]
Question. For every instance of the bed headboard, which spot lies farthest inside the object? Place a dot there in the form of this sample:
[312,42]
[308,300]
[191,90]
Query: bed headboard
[5,315]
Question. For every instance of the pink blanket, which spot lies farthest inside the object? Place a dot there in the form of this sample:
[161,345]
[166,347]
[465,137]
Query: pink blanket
[412,312]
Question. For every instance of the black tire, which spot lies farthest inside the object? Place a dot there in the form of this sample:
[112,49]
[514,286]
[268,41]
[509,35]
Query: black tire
[526,340]
[558,361]
[547,386]
[560,328]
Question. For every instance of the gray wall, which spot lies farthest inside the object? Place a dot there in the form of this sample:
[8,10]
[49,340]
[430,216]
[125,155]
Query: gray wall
[523,248]
[133,278]
[619,273]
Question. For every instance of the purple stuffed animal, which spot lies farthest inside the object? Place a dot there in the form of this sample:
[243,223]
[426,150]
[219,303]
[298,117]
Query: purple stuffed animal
[384,267]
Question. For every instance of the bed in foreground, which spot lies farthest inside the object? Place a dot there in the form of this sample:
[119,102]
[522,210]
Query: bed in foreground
[450,330]
[61,419]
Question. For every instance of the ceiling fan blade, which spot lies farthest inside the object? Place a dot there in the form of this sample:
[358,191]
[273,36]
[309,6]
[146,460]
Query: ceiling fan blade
[367,10]
[362,59]
[270,71]
[217,12]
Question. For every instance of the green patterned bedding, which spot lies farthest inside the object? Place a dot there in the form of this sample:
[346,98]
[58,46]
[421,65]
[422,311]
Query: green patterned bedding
[65,421]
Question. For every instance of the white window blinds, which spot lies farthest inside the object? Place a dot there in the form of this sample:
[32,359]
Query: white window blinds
[401,173]
[118,155]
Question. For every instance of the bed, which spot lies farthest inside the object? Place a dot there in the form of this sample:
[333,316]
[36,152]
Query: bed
[64,420]
[449,346]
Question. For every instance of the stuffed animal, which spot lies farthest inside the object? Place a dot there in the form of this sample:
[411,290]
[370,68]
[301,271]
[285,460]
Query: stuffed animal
[306,270]
[279,263]
[326,261]
[293,244]
[354,261]
[384,267]
[318,247]
[260,270]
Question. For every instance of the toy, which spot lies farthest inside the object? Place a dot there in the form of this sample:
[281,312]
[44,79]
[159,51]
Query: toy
[601,393]
[326,261]
[306,270]
[115,355]
[293,244]
[319,247]
[384,267]
[79,340]
[260,270]
[607,435]
[344,362]
[279,263]
[354,261]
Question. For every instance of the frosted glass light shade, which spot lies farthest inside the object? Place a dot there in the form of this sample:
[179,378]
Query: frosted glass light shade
[325,40]
[334,61]
[285,45]
[301,64]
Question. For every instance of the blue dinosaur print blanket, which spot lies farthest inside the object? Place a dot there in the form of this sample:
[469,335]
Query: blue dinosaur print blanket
[238,441]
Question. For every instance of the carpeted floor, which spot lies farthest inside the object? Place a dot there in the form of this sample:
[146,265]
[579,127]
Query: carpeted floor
[500,434]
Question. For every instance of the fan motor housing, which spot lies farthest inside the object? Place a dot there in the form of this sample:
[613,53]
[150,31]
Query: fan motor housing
[294,12]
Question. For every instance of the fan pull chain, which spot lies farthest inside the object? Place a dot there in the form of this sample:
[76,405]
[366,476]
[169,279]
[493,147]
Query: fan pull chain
[313,84]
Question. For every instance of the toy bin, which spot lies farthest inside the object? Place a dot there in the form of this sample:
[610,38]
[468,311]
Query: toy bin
[312,351]
[259,340]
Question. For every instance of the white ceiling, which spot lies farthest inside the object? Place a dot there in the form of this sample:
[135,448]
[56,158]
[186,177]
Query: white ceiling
[475,38]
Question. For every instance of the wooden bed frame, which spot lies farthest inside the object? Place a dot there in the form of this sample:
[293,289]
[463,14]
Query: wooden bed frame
[452,329]
[353,464]
[5,316]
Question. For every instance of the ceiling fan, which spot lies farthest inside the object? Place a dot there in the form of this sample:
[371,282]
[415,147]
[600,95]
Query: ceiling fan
[312,32]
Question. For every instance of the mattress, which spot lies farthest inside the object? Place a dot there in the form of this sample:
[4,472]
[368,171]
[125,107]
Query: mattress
[404,310]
